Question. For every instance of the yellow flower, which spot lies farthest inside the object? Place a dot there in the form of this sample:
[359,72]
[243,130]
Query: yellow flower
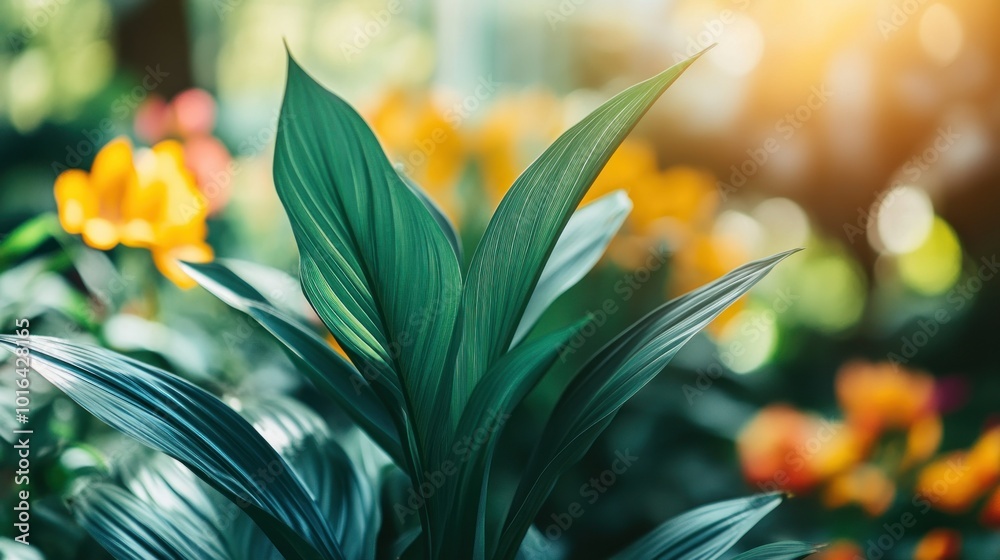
[514,132]
[864,485]
[922,440]
[984,458]
[425,140]
[673,203]
[631,167]
[336,346]
[148,200]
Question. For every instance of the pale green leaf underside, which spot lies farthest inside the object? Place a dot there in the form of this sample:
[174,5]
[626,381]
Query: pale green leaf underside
[173,416]
[705,533]
[578,249]
[786,550]
[616,373]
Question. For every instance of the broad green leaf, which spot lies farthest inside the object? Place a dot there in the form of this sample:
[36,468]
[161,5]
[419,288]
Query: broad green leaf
[303,439]
[522,233]
[611,377]
[343,491]
[580,246]
[159,479]
[375,264]
[705,533]
[131,529]
[331,373]
[786,550]
[437,213]
[175,417]
[502,388]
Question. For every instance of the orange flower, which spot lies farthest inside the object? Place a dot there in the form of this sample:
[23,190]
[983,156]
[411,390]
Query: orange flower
[336,346]
[147,201]
[782,448]
[865,485]
[954,482]
[876,397]
[939,544]
[949,484]
[990,516]
[842,550]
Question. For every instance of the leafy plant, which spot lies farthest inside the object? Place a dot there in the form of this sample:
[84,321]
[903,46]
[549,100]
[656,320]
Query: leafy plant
[437,358]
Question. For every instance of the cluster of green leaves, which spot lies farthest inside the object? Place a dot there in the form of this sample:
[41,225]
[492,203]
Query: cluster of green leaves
[436,356]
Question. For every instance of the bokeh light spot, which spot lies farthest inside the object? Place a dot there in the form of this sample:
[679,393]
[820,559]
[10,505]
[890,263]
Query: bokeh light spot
[749,340]
[935,265]
[941,34]
[741,46]
[903,220]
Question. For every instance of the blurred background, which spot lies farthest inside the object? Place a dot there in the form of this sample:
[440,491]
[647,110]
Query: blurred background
[861,375]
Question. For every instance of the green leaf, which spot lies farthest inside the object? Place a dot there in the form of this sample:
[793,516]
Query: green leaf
[437,213]
[786,550]
[344,492]
[175,417]
[705,533]
[523,232]
[580,246]
[27,237]
[159,479]
[131,529]
[611,377]
[502,388]
[375,264]
[331,373]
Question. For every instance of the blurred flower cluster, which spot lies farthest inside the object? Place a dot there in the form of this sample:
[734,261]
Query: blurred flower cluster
[887,439]
[674,206]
